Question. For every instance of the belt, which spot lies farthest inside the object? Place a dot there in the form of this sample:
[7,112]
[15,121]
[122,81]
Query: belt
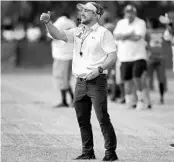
[84,79]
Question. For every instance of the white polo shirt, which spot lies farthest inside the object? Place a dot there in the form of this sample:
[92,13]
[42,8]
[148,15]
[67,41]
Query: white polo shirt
[130,50]
[60,49]
[99,42]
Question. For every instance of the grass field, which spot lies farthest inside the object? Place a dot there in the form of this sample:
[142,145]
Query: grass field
[32,131]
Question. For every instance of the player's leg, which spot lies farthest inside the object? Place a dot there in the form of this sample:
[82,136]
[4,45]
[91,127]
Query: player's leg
[68,79]
[140,66]
[151,70]
[126,70]
[161,79]
[119,82]
[59,79]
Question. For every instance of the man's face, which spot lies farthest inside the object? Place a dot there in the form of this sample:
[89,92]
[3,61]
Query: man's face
[130,15]
[87,16]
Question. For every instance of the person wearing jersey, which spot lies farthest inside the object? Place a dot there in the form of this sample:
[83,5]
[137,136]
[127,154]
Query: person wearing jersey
[156,61]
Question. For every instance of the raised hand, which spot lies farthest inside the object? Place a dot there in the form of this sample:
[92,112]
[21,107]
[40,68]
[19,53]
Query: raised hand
[45,17]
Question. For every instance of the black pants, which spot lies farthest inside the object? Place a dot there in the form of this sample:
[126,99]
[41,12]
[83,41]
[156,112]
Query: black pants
[88,93]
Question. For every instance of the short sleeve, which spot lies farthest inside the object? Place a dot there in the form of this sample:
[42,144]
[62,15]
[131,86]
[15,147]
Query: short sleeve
[141,28]
[117,29]
[107,43]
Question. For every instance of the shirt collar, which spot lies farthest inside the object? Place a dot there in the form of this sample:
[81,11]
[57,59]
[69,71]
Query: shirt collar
[135,19]
[95,26]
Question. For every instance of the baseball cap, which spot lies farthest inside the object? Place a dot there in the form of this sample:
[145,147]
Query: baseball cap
[91,6]
[130,8]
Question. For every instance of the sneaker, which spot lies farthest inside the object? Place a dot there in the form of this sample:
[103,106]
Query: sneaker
[85,157]
[131,106]
[121,100]
[61,105]
[112,157]
[140,105]
[149,106]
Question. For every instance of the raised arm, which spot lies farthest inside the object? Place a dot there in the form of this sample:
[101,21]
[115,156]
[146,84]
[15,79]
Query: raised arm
[53,31]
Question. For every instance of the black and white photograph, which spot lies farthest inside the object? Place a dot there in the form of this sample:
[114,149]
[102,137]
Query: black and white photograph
[87,81]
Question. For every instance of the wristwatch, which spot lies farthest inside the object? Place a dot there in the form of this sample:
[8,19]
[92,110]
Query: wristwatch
[100,69]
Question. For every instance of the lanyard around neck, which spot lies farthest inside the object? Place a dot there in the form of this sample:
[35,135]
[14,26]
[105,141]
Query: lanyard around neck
[83,39]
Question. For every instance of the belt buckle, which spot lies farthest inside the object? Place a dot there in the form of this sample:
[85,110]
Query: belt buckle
[82,79]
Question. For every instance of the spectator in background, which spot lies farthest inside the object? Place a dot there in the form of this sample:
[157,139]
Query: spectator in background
[19,36]
[7,29]
[156,58]
[119,79]
[168,20]
[62,54]
[129,34]
[33,33]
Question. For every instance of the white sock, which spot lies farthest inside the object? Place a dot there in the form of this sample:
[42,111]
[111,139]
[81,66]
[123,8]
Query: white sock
[128,98]
[146,96]
[140,96]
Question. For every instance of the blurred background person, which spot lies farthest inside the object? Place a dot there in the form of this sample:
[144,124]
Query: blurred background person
[168,20]
[156,58]
[130,33]
[62,54]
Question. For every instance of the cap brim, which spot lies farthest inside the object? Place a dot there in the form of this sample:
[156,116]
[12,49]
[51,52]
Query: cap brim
[80,6]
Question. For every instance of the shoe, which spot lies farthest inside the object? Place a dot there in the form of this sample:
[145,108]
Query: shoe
[112,157]
[61,105]
[149,106]
[85,157]
[131,106]
[140,105]
[112,97]
[123,101]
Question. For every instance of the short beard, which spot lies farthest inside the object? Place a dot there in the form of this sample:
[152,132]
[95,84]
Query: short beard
[86,22]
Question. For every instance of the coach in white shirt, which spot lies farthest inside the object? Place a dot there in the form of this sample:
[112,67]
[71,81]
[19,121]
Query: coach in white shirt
[129,34]
[62,54]
[94,52]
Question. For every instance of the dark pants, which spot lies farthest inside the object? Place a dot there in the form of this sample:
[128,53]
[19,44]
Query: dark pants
[88,93]
[157,65]
[133,69]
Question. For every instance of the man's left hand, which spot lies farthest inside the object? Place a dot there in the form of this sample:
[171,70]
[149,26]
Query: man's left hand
[93,74]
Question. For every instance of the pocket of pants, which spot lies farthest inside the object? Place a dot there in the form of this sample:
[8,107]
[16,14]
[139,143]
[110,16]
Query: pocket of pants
[101,83]
[80,91]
